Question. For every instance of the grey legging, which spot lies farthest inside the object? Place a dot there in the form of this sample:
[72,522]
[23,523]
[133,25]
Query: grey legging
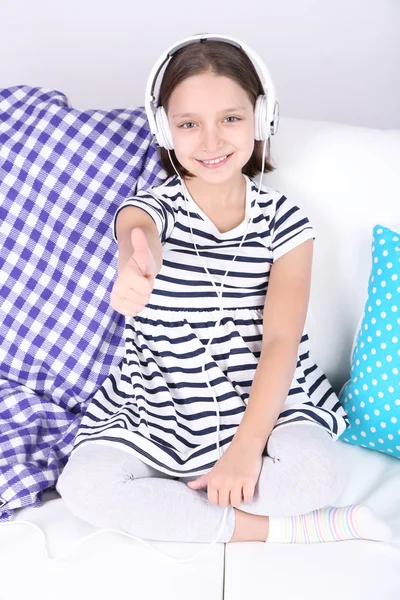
[110,488]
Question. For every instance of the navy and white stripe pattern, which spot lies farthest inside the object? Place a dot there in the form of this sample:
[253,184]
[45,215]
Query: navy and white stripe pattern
[63,174]
[156,403]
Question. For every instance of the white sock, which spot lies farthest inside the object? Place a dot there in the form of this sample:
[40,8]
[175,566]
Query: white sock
[329,524]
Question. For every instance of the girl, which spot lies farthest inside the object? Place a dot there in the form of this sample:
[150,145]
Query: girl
[150,468]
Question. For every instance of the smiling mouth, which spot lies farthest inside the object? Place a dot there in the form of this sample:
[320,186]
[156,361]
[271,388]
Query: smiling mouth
[215,161]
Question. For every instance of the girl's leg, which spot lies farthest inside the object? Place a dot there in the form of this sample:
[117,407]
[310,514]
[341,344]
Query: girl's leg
[299,484]
[110,488]
[301,472]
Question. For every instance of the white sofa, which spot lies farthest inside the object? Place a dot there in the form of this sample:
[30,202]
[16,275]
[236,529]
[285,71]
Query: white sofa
[347,180]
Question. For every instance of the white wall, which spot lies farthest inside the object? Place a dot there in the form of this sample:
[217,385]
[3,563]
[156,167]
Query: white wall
[335,60]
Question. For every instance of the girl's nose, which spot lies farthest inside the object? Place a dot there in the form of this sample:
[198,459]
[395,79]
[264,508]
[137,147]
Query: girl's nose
[211,140]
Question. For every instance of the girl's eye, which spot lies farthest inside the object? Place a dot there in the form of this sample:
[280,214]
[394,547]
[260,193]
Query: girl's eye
[183,126]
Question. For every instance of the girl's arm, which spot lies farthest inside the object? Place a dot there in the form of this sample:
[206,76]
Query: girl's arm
[285,312]
[127,219]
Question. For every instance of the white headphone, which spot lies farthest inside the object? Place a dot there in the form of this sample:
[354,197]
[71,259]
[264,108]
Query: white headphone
[266,111]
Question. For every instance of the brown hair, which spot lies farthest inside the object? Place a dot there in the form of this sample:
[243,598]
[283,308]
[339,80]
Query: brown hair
[220,58]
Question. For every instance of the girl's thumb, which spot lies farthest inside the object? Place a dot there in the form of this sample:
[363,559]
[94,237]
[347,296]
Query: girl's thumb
[196,483]
[141,252]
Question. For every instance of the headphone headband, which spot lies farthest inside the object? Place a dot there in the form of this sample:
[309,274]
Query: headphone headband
[272,106]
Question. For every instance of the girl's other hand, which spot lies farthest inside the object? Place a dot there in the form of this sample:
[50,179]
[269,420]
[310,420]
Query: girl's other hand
[133,287]
[233,478]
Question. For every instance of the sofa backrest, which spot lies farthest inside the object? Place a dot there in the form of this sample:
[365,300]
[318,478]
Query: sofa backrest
[347,179]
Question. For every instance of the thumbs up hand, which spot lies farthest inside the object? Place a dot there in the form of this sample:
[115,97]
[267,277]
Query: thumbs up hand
[133,287]
[142,255]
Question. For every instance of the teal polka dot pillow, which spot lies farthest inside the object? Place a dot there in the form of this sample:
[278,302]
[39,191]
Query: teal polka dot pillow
[371,397]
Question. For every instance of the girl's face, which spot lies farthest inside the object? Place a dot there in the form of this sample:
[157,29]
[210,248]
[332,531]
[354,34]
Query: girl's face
[211,117]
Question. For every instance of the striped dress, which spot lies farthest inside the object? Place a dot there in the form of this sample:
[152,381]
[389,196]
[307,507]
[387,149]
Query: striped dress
[156,403]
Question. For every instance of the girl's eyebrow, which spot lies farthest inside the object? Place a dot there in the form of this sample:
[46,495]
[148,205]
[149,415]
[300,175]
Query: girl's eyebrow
[234,109]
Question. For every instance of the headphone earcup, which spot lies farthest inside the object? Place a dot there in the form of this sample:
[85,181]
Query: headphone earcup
[164,137]
[261,127]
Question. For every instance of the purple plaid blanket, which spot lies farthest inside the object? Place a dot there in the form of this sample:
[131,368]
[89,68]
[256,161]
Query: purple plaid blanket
[63,174]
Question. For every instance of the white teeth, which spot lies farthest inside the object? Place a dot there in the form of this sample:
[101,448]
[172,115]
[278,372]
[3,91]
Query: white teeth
[213,162]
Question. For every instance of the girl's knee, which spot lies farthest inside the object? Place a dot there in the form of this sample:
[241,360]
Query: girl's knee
[309,464]
[328,477]
[92,478]
[82,478]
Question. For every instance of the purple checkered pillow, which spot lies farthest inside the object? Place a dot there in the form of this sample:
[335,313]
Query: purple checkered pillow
[63,174]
